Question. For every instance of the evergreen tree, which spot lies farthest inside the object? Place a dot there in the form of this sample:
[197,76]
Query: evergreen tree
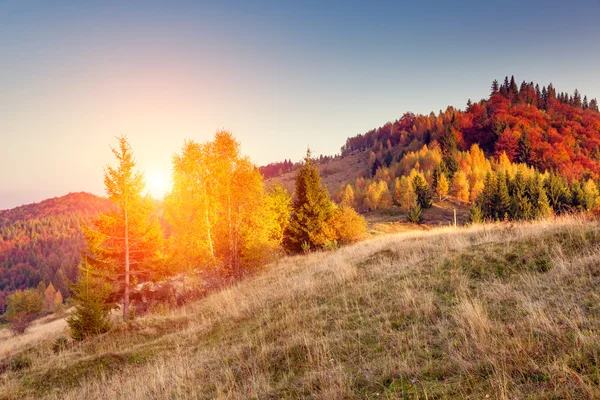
[475,214]
[594,105]
[449,145]
[502,200]
[577,99]
[524,148]
[557,192]
[311,209]
[422,191]
[415,214]
[388,159]
[92,307]
[127,239]
[495,87]
[585,103]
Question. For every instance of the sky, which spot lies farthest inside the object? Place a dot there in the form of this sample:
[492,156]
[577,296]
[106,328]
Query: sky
[280,75]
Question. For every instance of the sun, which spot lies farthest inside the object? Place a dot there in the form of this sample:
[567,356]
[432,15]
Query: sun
[158,184]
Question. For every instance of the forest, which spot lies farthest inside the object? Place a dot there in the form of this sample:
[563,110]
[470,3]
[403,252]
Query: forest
[42,242]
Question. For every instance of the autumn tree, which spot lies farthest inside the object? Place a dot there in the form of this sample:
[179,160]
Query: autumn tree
[123,245]
[442,186]
[219,213]
[460,187]
[422,191]
[311,209]
[22,308]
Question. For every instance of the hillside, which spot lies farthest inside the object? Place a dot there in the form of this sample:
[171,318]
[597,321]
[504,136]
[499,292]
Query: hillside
[43,242]
[500,311]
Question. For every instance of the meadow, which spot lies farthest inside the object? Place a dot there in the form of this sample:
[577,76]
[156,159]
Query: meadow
[503,311]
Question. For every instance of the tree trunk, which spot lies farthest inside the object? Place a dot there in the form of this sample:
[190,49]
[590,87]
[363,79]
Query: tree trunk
[126,294]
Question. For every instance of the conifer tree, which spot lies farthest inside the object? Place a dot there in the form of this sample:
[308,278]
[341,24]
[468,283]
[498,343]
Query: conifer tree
[502,201]
[594,105]
[494,87]
[92,307]
[123,244]
[311,209]
[422,191]
[415,214]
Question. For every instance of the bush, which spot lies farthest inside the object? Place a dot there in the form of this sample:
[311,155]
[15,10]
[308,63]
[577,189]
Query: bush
[22,308]
[91,314]
[415,214]
[475,214]
[345,226]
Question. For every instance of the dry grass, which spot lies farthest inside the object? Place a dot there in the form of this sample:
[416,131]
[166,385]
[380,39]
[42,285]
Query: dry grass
[496,311]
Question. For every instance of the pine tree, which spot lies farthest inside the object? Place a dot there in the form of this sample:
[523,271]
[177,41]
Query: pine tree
[585,103]
[422,191]
[124,242]
[92,308]
[577,99]
[475,214]
[311,209]
[502,200]
[494,87]
[594,105]
[415,214]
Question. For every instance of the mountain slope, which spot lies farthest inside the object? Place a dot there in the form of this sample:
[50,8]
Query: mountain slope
[500,311]
[43,242]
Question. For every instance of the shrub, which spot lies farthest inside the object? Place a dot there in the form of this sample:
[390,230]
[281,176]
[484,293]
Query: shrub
[345,226]
[475,214]
[91,313]
[22,308]
[415,214]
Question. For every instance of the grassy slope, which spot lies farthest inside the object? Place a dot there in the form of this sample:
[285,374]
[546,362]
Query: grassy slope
[505,311]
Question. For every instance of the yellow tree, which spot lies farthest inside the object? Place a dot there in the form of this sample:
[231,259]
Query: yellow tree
[441,188]
[347,198]
[217,208]
[404,193]
[125,242]
[460,187]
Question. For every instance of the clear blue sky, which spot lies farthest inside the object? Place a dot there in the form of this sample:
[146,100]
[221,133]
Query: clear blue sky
[280,75]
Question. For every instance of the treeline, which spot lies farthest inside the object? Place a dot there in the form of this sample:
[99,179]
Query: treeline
[527,196]
[276,169]
[468,177]
[541,127]
[43,242]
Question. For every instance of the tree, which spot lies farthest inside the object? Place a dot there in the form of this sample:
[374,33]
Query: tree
[126,241]
[422,191]
[311,209]
[92,307]
[22,308]
[415,214]
[345,225]
[49,295]
[219,214]
[279,208]
[494,87]
[347,196]
[442,186]
[460,187]
[404,194]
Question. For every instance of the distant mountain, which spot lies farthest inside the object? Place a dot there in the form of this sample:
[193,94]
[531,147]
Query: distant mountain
[43,241]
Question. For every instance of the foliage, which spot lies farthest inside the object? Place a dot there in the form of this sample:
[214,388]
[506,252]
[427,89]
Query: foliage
[345,226]
[219,214]
[92,307]
[22,308]
[124,244]
[42,242]
[311,209]
[415,214]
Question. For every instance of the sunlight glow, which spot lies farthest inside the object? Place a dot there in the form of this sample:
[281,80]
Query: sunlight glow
[158,184]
